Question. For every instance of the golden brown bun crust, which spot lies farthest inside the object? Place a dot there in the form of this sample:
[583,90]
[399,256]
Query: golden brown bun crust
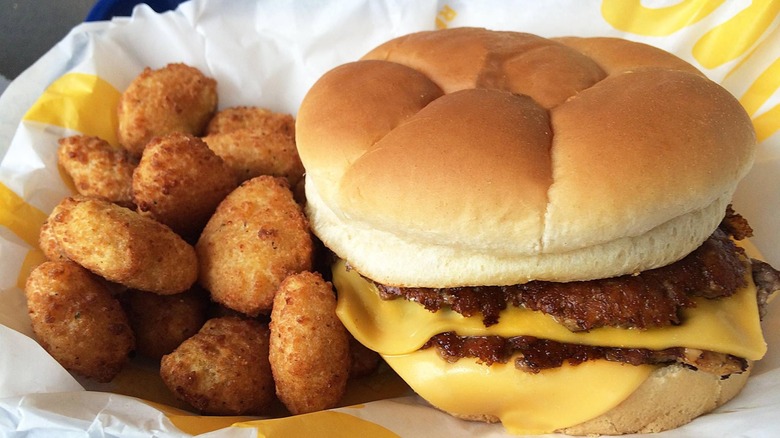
[468,156]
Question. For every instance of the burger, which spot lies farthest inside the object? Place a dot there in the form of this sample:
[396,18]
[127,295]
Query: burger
[538,231]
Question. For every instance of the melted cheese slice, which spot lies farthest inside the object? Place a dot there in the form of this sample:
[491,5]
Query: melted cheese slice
[525,403]
[729,325]
[532,403]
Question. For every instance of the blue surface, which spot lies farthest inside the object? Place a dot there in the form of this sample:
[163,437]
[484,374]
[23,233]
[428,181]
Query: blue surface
[106,9]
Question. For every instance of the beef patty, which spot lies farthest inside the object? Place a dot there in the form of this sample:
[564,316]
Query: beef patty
[652,298]
[533,354]
[648,299]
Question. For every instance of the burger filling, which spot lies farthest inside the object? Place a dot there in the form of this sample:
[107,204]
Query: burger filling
[651,298]
[645,300]
[533,355]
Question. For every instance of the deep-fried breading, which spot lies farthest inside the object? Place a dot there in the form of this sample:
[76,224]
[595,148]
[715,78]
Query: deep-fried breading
[162,322]
[223,369]
[256,238]
[309,347]
[77,320]
[180,182]
[254,152]
[46,239]
[97,168]
[122,246]
[175,98]
[250,117]
[256,141]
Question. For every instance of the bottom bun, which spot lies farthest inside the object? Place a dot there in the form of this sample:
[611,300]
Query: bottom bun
[672,396]
[592,398]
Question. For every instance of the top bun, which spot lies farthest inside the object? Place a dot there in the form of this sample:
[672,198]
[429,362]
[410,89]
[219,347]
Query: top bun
[474,157]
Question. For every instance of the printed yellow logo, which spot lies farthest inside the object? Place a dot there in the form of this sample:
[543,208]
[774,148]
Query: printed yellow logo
[79,101]
[445,15]
[723,43]
[756,96]
[25,222]
[632,16]
[21,218]
[727,41]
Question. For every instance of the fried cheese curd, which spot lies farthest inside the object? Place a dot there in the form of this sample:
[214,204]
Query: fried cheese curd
[255,239]
[162,322]
[180,181]
[223,369]
[175,98]
[77,320]
[309,346]
[363,360]
[255,141]
[97,168]
[47,241]
[250,117]
[123,246]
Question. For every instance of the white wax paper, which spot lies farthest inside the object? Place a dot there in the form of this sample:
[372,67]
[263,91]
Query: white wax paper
[268,53]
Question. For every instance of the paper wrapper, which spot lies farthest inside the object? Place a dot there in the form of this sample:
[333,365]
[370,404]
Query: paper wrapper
[268,54]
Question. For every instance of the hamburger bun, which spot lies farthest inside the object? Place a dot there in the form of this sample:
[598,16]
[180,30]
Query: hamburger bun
[670,397]
[610,179]
[470,157]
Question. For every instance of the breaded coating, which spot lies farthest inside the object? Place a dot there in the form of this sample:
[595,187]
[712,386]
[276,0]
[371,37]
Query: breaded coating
[217,310]
[162,322]
[250,117]
[180,182]
[223,369]
[256,238]
[255,141]
[48,243]
[122,246]
[97,168]
[251,153]
[299,191]
[46,239]
[363,361]
[175,98]
[309,347]
[77,320]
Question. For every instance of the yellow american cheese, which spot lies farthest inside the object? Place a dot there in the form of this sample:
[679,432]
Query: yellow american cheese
[524,402]
[728,325]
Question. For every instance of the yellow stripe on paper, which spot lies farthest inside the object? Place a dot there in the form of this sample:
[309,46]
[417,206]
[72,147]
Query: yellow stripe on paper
[762,88]
[767,123]
[202,424]
[767,83]
[79,101]
[632,16]
[21,218]
[736,36]
[197,424]
[323,424]
[25,222]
